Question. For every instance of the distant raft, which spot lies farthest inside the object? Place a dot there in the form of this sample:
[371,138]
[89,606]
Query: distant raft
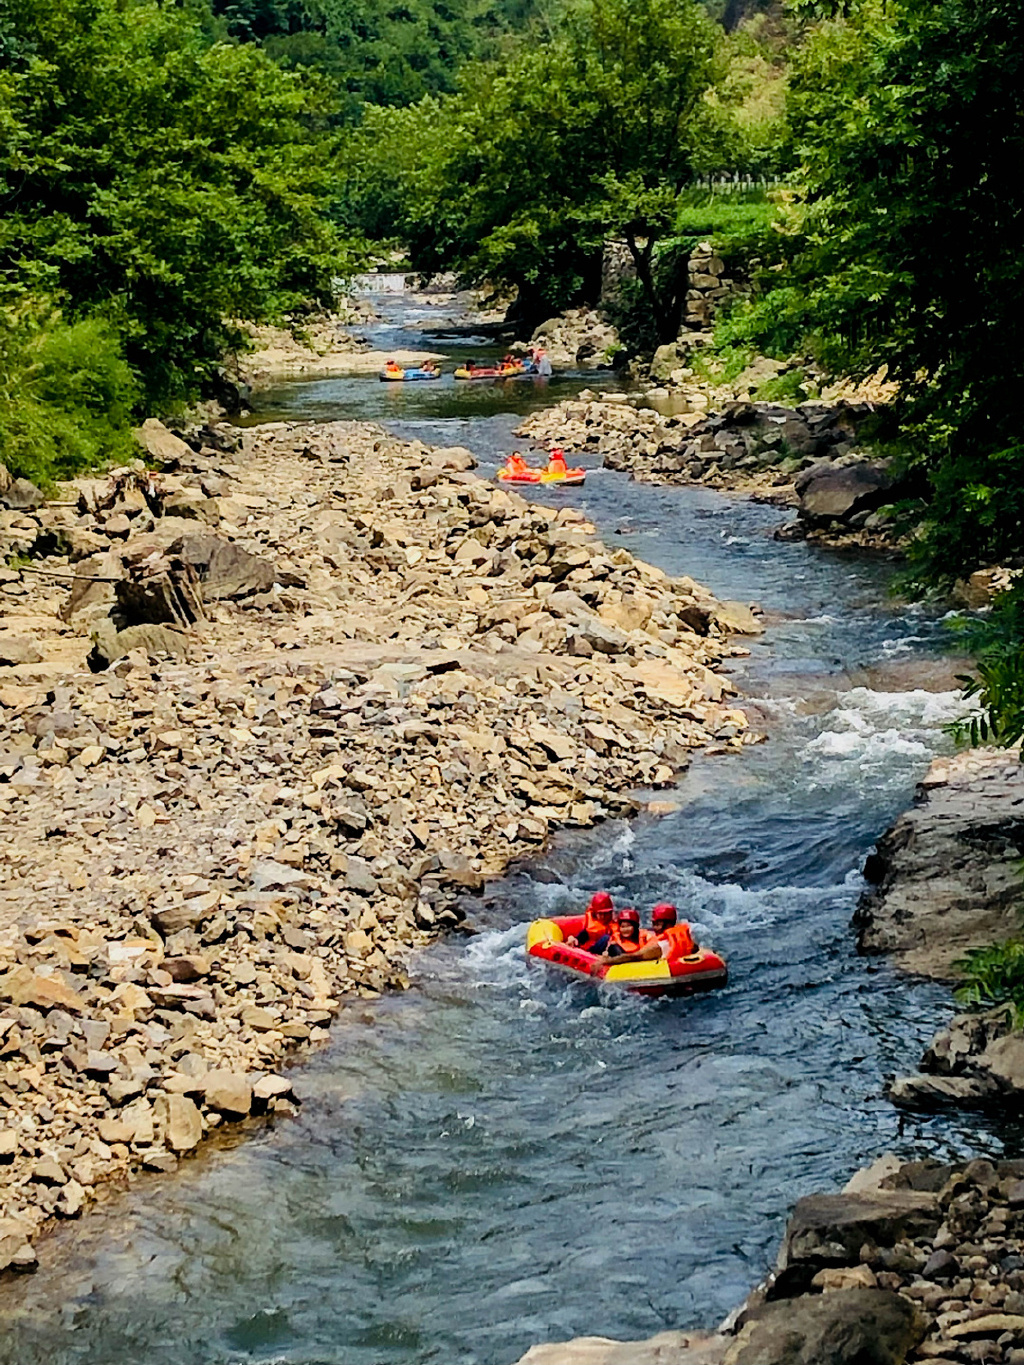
[518,370]
[406,376]
[523,473]
[702,970]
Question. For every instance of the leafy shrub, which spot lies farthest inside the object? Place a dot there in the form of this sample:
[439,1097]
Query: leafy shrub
[994,976]
[66,395]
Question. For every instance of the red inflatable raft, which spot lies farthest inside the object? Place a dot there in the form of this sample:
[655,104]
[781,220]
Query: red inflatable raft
[701,971]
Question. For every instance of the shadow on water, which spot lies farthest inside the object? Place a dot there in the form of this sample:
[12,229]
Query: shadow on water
[500,1157]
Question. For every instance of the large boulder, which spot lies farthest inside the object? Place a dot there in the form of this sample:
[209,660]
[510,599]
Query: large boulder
[828,493]
[844,1327]
[109,645]
[224,569]
[21,496]
[161,445]
[827,1230]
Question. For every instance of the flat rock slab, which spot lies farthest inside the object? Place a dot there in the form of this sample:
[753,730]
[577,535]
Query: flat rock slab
[667,1348]
[945,874]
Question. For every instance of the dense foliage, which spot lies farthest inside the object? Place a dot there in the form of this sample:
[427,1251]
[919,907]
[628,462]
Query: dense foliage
[596,133]
[376,53]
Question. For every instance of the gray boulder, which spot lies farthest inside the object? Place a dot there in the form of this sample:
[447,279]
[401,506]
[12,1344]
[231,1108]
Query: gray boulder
[845,1327]
[830,1229]
[829,494]
[224,569]
[21,496]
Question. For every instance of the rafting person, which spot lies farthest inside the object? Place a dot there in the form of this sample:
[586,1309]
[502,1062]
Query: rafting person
[627,936]
[516,467]
[393,368]
[430,367]
[669,939]
[556,464]
[542,361]
[596,934]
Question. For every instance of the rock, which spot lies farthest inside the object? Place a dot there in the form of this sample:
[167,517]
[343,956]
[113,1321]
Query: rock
[271,1088]
[601,638]
[941,1265]
[228,1093]
[875,1176]
[945,876]
[737,618]
[18,649]
[180,1121]
[847,1327]
[836,494]
[665,361]
[845,1277]
[668,1348]
[22,496]
[161,445]
[23,986]
[937,1092]
[224,569]
[830,1229]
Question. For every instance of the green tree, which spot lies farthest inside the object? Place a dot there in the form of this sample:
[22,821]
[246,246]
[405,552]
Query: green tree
[164,182]
[590,135]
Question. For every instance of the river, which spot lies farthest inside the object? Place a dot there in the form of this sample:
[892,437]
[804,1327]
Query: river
[498,1157]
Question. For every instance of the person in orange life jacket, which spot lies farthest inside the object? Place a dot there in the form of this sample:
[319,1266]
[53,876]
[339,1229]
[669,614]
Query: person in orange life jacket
[627,936]
[557,465]
[596,933]
[669,940]
[515,464]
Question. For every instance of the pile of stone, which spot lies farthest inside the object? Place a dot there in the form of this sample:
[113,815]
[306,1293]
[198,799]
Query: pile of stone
[912,1262]
[806,457]
[396,678]
[579,339]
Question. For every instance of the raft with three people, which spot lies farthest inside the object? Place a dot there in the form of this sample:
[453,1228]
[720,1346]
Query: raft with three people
[670,971]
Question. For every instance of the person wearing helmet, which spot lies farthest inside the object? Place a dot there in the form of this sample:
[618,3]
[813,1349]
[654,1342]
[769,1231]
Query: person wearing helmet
[669,940]
[596,934]
[627,936]
[556,464]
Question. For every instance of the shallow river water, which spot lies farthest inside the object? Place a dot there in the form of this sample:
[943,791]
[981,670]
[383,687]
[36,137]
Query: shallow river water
[499,1157]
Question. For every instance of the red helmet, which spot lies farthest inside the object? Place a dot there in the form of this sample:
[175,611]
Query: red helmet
[664,912]
[628,916]
[599,902]
[557,451]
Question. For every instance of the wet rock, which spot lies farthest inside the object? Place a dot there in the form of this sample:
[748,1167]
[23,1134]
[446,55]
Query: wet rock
[847,1327]
[180,1120]
[826,1230]
[829,494]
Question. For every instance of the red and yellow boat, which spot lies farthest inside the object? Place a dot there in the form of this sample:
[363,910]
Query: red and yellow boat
[702,970]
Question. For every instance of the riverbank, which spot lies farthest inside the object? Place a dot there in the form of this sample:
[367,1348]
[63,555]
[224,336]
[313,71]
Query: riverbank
[399,679]
[915,1261]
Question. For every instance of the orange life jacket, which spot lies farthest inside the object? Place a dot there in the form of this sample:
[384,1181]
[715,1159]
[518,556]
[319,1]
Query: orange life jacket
[679,939]
[593,929]
[631,945]
[557,465]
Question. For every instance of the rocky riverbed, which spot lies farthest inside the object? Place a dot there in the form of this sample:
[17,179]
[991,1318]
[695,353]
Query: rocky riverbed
[269,704]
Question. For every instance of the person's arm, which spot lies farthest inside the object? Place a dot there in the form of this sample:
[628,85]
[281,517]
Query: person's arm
[651,953]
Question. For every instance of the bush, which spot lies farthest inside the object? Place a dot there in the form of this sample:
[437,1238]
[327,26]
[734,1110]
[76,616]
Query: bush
[994,976]
[66,395]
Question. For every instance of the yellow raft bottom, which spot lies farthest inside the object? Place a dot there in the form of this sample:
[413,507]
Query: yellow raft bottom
[547,931]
